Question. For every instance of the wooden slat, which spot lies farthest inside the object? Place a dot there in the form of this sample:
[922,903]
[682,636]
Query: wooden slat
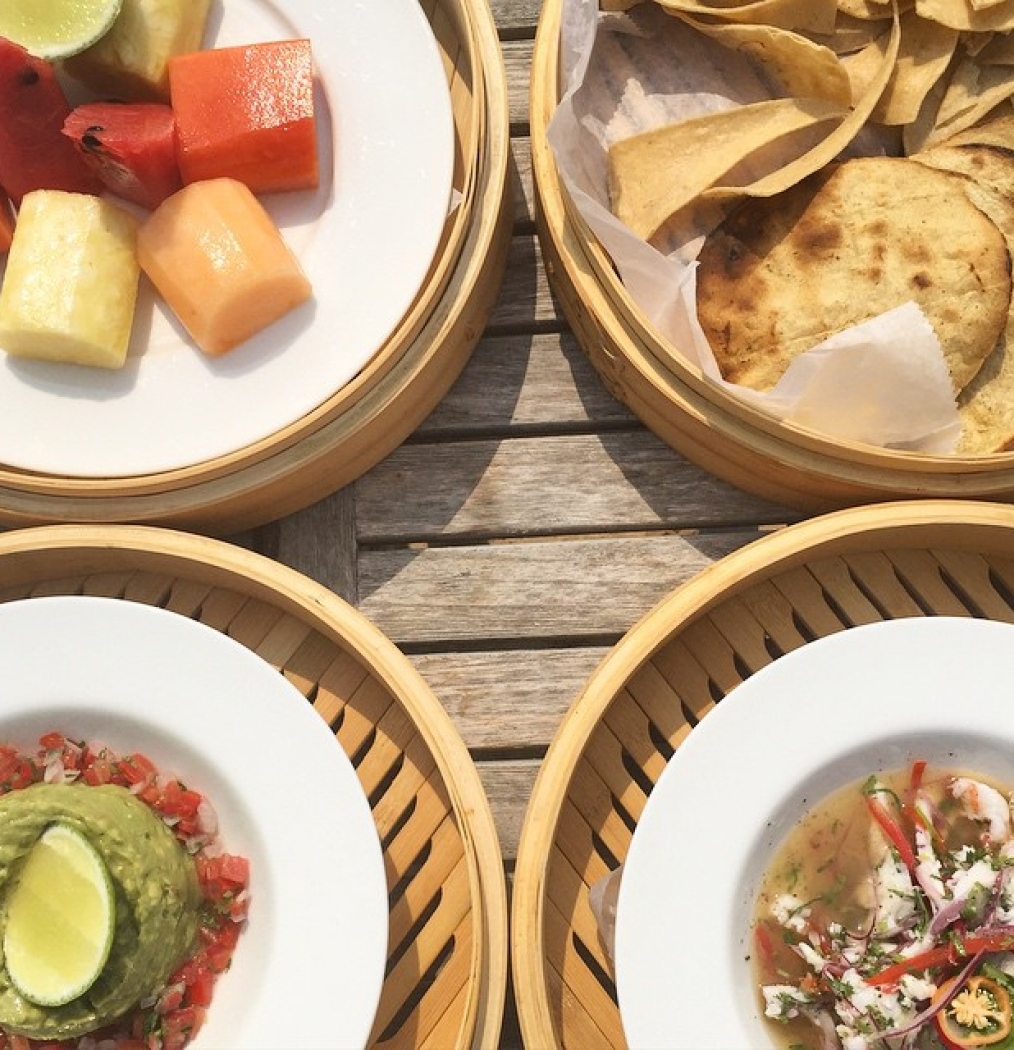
[574,589]
[529,689]
[520,383]
[527,486]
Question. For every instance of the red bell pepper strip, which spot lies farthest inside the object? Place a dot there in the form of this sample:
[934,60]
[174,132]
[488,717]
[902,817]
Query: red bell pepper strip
[894,832]
[949,954]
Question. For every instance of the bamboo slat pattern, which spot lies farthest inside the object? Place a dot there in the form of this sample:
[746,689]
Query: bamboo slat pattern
[851,567]
[446,979]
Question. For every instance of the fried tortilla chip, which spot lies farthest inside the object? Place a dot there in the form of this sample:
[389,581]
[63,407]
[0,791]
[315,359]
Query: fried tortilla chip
[802,68]
[782,274]
[924,55]
[995,129]
[869,10]
[812,16]
[959,14]
[972,91]
[656,173]
[831,147]
[853,34]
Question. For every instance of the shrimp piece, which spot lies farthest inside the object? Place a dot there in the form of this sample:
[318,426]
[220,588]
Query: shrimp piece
[985,804]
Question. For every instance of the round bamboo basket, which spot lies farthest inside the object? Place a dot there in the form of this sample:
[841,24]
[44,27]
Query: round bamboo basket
[446,972]
[782,462]
[807,581]
[371,415]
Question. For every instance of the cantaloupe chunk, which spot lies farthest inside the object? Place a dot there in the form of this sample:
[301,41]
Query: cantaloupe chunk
[71,283]
[217,258]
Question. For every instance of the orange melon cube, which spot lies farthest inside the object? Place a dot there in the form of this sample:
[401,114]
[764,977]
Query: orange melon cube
[216,257]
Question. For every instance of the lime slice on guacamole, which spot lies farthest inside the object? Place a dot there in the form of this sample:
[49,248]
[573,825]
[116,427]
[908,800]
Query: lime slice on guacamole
[54,29]
[60,918]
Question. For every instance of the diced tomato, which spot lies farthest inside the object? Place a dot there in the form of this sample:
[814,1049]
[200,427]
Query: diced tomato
[201,989]
[34,153]
[131,147]
[136,768]
[52,741]
[247,113]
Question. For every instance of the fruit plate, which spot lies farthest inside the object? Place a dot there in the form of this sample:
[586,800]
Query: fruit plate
[366,239]
[204,707]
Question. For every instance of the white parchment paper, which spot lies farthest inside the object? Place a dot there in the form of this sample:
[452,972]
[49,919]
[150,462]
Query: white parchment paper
[884,382]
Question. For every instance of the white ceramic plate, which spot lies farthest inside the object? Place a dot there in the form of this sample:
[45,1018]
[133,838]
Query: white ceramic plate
[309,967]
[366,240]
[832,712]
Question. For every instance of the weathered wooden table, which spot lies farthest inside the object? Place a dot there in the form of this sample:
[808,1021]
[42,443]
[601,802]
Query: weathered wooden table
[527,524]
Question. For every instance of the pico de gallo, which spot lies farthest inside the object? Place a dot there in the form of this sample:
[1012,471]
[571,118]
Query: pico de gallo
[886,921]
[172,1016]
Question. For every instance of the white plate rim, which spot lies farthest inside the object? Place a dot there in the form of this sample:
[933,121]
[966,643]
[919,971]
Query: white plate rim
[318,924]
[366,239]
[703,1000]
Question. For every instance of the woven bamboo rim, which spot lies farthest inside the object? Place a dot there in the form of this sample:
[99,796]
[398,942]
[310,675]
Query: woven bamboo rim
[370,416]
[807,581]
[447,953]
[733,440]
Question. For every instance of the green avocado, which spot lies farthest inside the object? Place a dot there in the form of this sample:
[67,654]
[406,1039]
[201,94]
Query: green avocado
[157,900]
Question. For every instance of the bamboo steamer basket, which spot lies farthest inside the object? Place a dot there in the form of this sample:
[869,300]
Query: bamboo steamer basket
[446,980]
[849,567]
[789,464]
[370,416]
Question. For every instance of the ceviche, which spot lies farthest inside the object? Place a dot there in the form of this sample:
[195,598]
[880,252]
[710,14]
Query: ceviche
[886,920]
[177,901]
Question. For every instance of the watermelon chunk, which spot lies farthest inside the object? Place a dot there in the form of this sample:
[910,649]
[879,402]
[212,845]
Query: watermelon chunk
[131,147]
[34,153]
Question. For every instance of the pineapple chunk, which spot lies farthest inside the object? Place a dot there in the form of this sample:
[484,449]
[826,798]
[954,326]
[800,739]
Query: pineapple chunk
[71,283]
[131,61]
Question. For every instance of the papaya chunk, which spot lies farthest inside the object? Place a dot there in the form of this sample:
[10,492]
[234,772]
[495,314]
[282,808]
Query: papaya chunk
[217,259]
[247,113]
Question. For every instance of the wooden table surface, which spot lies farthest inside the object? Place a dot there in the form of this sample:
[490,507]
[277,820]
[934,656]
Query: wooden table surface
[526,525]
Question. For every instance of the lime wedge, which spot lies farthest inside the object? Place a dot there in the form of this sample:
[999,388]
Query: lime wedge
[54,29]
[59,918]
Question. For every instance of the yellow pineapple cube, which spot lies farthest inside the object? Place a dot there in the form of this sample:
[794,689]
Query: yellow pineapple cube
[131,60]
[71,283]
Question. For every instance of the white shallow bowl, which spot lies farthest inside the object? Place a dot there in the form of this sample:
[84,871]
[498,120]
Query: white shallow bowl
[871,698]
[366,239]
[309,968]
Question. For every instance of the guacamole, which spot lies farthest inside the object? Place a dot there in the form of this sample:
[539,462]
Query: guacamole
[156,890]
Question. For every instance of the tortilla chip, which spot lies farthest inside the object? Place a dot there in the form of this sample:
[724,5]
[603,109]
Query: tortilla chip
[825,152]
[983,5]
[998,49]
[923,57]
[812,16]
[995,129]
[853,34]
[658,172]
[959,14]
[972,92]
[802,68]
[868,10]
[915,135]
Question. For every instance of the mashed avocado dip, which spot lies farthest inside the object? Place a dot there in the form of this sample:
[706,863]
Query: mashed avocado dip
[156,890]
